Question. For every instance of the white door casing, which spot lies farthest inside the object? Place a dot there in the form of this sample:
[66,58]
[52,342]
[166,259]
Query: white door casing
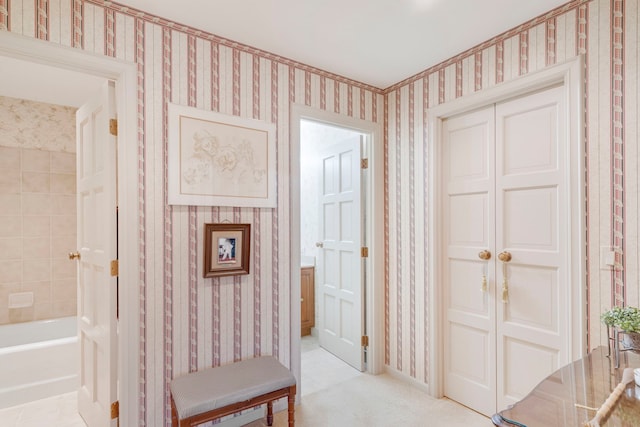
[568,76]
[373,206]
[35,53]
[97,240]
[340,262]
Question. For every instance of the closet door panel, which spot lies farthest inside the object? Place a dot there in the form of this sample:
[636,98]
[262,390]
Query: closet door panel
[468,228]
[531,329]
[505,191]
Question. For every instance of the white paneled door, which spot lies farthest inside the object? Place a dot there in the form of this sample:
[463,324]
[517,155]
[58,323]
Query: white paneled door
[97,286]
[340,262]
[506,273]
[469,227]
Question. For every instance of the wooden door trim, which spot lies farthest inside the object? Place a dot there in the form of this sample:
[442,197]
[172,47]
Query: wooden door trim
[568,75]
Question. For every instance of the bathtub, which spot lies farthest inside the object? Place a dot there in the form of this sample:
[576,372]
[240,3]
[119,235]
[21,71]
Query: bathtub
[37,360]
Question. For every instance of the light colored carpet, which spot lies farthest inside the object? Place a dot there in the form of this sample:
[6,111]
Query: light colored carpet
[335,394]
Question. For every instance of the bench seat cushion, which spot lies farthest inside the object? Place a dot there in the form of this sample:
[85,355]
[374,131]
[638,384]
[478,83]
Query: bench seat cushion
[214,388]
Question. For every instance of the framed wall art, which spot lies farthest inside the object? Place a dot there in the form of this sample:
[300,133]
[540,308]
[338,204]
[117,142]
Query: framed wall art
[220,160]
[226,249]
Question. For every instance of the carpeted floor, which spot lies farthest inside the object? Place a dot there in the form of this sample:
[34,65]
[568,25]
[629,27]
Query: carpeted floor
[335,394]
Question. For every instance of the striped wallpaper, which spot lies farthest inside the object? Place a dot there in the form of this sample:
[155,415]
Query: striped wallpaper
[606,33]
[188,322]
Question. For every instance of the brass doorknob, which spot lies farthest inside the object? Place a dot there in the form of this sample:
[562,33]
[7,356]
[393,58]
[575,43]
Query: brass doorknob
[74,255]
[485,255]
[504,256]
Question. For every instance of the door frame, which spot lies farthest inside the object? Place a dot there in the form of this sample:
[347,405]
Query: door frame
[124,74]
[374,207]
[569,75]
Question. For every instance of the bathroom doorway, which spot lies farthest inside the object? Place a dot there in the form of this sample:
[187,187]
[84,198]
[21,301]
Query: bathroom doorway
[41,69]
[331,263]
[63,222]
[314,245]
[332,231]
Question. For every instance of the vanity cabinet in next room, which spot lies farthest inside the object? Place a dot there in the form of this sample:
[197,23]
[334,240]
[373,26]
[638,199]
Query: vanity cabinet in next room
[307,300]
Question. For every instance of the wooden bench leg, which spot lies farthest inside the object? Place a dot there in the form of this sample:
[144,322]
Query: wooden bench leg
[269,413]
[174,414]
[291,405]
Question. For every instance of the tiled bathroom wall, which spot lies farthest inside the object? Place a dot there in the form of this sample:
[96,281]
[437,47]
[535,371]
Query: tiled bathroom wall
[37,211]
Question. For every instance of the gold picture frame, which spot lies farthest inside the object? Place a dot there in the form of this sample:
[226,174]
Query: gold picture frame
[226,249]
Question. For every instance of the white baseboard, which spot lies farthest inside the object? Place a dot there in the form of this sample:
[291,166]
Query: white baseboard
[406,379]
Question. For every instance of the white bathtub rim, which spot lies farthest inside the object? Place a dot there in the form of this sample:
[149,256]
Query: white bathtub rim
[33,367]
[44,383]
[16,334]
[37,345]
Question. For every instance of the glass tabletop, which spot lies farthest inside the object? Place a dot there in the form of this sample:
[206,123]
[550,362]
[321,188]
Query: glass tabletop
[571,395]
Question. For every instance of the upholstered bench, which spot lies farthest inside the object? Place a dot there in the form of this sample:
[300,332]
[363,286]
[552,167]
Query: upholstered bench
[216,392]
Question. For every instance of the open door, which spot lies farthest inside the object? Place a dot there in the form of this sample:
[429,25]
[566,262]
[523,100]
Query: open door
[97,259]
[340,261]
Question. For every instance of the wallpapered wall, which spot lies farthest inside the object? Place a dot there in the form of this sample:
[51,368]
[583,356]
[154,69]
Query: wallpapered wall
[189,322]
[606,33]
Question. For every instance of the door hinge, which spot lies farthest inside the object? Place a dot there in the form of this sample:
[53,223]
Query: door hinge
[365,341]
[364,252]
[114,267]
[364,163]
[115,410]
[113,127]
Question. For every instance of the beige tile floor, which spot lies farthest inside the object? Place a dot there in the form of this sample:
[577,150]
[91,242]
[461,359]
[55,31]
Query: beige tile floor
[57,411]
[333,394]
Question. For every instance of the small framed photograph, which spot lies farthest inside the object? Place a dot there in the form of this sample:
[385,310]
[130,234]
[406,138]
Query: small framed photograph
[226,249]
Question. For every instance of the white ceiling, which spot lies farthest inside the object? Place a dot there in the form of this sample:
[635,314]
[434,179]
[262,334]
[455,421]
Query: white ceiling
[377,42]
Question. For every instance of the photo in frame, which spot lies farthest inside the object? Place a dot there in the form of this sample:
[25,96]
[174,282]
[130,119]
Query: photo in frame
[226,249]
[219,160]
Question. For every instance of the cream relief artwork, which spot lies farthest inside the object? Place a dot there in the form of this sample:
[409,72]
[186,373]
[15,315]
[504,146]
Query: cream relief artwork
[220,160]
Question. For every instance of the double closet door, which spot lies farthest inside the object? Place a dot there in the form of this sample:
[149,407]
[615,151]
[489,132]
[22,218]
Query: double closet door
[505,262]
